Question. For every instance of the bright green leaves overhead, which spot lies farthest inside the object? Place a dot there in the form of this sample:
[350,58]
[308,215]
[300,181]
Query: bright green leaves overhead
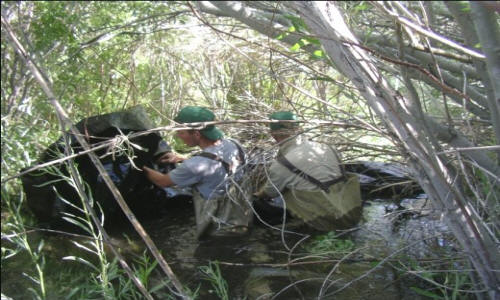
[52,25]
[282,35]
[307,41]
[318,54]
[298,45]
[300,28]
[297,23]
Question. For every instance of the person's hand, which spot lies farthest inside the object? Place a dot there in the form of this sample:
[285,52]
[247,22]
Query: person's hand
[170,158]
[147,171]
[160,179]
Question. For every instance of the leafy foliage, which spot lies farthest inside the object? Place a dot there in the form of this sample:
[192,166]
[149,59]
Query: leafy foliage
[212,274]
[105,56]
[330,244]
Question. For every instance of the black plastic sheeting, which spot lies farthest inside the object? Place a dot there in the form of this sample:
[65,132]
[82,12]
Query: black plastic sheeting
[52,198]
[383,180]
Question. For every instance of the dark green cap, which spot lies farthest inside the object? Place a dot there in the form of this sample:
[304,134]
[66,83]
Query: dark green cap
[195,114]
[282,115]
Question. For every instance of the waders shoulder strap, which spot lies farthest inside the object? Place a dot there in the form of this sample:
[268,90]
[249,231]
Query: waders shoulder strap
[212,156]
[322,185]
[226,165]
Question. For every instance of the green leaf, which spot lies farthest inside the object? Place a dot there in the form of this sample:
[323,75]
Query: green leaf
[83,261]
[304,42]
[77,223]
[40,246]
[282,35]
[84,247]
[312,40]
[298,24]
[318,54]
[295,47]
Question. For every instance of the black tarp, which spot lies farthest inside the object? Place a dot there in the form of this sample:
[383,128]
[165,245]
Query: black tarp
[48,193]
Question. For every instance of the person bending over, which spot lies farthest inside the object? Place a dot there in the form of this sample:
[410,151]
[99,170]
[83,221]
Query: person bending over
[208,172]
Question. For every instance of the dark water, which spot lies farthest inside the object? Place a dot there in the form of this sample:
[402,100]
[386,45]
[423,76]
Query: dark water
[272,264]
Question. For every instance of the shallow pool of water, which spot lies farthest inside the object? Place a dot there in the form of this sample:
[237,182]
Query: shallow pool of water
[272,264]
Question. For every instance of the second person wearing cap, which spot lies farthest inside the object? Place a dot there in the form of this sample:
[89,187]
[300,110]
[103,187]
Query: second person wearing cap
[310,178]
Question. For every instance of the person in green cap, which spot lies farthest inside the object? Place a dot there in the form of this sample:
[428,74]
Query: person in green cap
[309,177]
[210,174]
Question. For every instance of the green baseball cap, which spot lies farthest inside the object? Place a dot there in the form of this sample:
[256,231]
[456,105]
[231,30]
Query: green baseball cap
[195,114]
[282,115]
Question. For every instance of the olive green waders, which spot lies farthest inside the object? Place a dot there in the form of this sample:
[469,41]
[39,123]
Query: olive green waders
[339,208]
[227,215]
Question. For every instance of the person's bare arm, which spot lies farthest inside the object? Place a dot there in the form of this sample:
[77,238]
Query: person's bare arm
[160,179]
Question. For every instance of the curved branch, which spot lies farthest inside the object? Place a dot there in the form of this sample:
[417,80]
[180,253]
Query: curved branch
[430,34]
[452,64]
[271,25]
[478,105]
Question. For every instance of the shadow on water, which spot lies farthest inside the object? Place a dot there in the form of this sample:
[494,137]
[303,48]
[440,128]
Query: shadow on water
[271,264]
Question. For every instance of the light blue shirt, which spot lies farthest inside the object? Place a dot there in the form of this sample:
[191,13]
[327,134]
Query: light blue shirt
[205,174]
